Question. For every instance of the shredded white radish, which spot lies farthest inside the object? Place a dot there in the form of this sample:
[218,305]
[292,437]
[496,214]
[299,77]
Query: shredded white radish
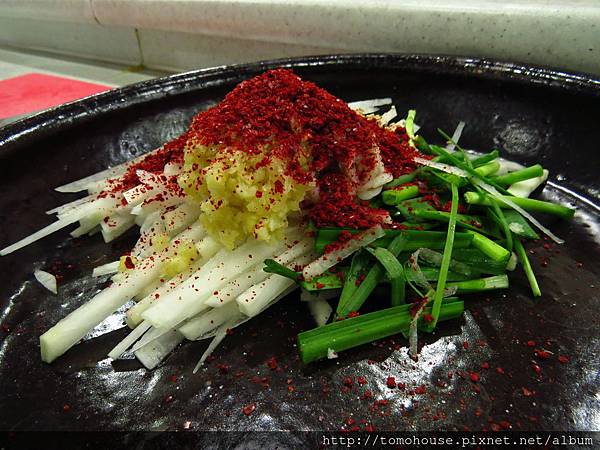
[203,324]
[129,340]
[69,206]
[256,275]
[134,314]
[186,300]
[219,336]
[455,136]
[152,354]
[330,259]
[369,106]
[172,169]
[320,310]
[106,269]
[114,226]
[46,279]
[331,354]
[492,190]
[388,116]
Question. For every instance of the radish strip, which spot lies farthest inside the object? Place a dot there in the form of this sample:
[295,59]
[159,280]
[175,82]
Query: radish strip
[111,172]
[115,226]
[388,116]
[219,336]
[196,328]
[491,190]
[106,269]
[189,297]
[68,331]
[62,209]
[320,310]
[369,106]
[456,136]
[129,340]
[53,227]
[152,354]
[256,275]
[46,279]
[134,314]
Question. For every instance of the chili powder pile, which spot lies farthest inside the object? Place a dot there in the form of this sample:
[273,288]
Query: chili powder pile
[317,136]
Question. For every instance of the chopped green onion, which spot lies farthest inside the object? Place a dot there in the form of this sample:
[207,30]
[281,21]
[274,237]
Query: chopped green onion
[441,284]
[342,335]
[326,280]
[479,261]
[360,262]
[488,169]
[372,278]
[458,163]
[522,254]
[489,247]
[519,175]
[273,266]
[416,239]
[484,159]
[409,125]
[518,225]
[498,215]
[402,179]
[470,222]
[480,284]
[397,195]
[528,204]
[395,273]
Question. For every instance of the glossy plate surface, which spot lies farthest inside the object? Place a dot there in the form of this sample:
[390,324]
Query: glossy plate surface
[531,115]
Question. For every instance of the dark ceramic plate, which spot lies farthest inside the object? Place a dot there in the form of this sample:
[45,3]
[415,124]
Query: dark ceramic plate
[531,114]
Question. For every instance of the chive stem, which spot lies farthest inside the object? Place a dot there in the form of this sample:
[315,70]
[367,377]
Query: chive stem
[399,194]
[342,335]
[528,204]
[522,255]
[441,284]
[519,175]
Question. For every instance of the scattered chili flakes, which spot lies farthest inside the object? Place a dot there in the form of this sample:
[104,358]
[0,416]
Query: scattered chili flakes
[272,363]
[563,359]
[474,376]
[420,389]
[223,368]
[526,392]
[500,370]
[66,407]
[348,382]
[391,382]
[542,354]
[249,409]
[361,380]
[129,263]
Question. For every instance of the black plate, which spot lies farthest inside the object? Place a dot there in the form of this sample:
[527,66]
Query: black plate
[531,114]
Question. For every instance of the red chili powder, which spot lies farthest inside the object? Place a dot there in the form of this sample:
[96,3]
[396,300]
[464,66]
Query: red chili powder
[316,135]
